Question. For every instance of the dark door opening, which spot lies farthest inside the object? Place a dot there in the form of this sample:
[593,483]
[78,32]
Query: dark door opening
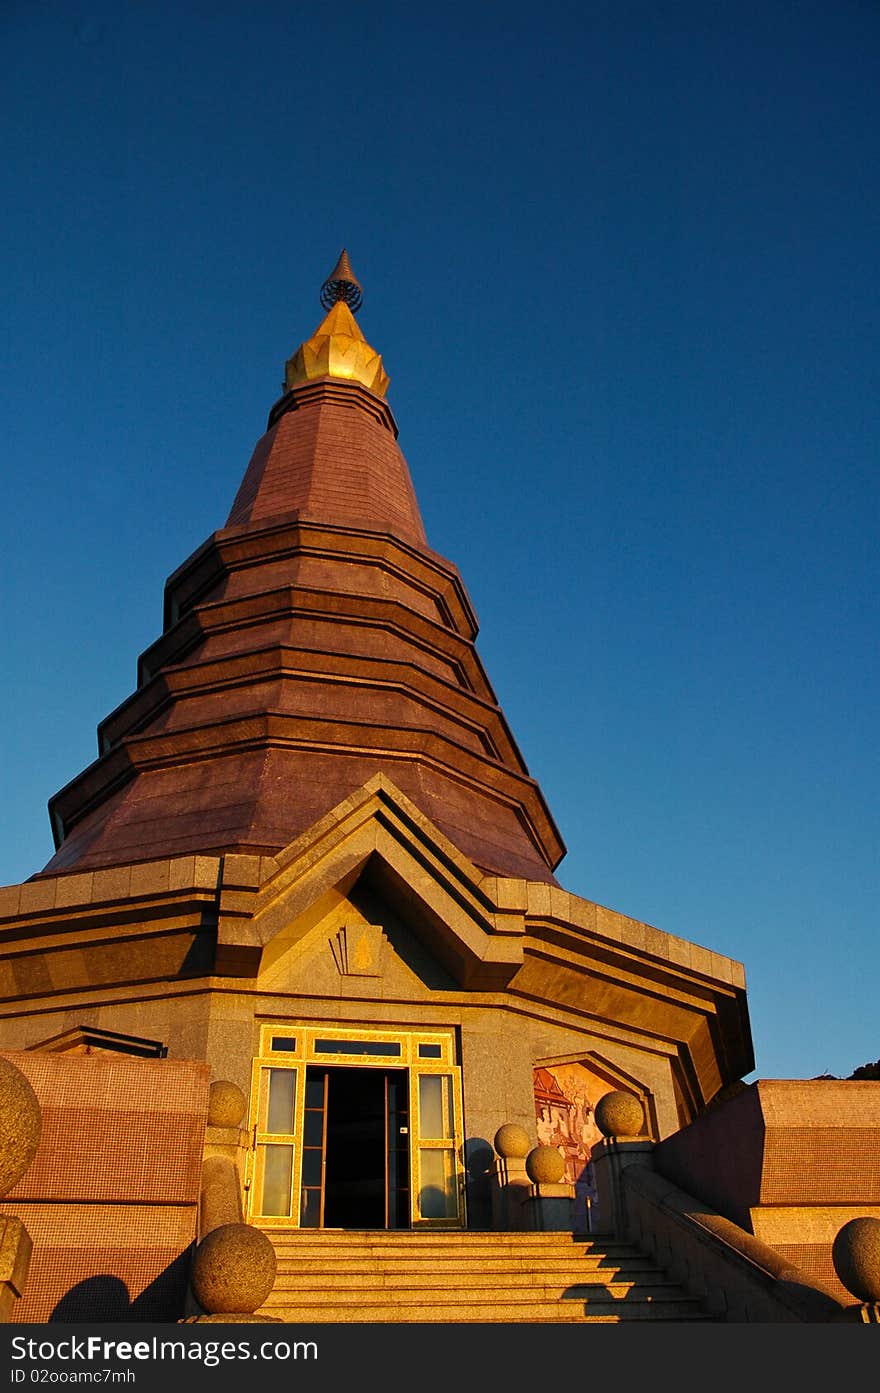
[365,1145]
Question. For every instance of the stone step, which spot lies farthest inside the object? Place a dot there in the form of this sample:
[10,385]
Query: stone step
[506,1311]
[380,1236]
[461,1268]
[474,1237]
[382,1276]
[496,1274]
[410,1288]
[439,1261]
[434,1247]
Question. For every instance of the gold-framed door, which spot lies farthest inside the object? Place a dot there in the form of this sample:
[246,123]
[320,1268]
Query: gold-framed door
[289,1122]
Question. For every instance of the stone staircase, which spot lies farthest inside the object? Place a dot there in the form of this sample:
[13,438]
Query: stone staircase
[335,1275]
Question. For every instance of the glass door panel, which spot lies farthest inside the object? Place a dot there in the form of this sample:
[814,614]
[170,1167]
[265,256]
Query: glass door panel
[274,1140]
[281,1102]
[435,1106]
[438,1197]
[397,1146]
[311,1213]
[277,1181]
[438,1136]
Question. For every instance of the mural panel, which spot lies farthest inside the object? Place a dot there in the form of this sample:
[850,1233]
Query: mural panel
[565,1096]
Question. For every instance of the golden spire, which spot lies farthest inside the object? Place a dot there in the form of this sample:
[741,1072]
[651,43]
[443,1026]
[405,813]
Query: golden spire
[337,348]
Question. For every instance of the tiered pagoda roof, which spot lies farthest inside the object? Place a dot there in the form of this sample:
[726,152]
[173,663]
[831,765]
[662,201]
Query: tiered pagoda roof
[314,641]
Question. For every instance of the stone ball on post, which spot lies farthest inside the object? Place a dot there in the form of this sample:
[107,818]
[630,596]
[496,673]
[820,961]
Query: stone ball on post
[855,1254]
[226,1104]
[233,1270]
[20,1125]
[619,1114]
[545,1165]
[512,1142]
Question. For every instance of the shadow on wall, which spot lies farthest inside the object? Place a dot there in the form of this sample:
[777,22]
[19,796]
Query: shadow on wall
[477,1155]
[107,1298]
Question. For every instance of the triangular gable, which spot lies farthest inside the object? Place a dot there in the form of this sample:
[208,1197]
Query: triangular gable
[378,834]
[353,946]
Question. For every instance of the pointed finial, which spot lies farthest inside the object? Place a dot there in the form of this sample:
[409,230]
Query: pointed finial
[342,284]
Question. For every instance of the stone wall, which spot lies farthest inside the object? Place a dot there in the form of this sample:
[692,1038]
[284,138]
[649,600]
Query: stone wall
[788,1160]
[111,1197]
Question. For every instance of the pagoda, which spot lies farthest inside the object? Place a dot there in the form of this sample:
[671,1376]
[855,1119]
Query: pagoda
[313,642]
[310,861]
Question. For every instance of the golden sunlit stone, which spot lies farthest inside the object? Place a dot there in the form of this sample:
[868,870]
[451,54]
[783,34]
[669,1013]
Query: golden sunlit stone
[337,348]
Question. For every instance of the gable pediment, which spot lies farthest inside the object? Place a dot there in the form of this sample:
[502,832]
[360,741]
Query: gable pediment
[354,945]
[378,848]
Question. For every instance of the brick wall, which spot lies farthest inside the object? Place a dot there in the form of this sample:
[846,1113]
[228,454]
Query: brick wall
[111,1198]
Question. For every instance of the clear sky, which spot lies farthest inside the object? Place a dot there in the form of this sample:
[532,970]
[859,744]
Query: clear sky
[621,262]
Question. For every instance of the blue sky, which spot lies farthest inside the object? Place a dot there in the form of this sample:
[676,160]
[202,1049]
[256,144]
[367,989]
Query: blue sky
[621,262]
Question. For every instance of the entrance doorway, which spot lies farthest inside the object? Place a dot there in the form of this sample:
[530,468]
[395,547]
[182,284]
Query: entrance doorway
[355,1128]
[355,1170]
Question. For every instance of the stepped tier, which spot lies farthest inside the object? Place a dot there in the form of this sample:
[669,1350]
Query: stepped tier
[311,643]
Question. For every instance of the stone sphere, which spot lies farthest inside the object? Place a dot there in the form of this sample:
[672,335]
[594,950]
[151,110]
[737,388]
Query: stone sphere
[856,1257]
[545,1165]
[619,1114]
[20,1124]
[233,1270]
[226,1104]
[512,1141]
